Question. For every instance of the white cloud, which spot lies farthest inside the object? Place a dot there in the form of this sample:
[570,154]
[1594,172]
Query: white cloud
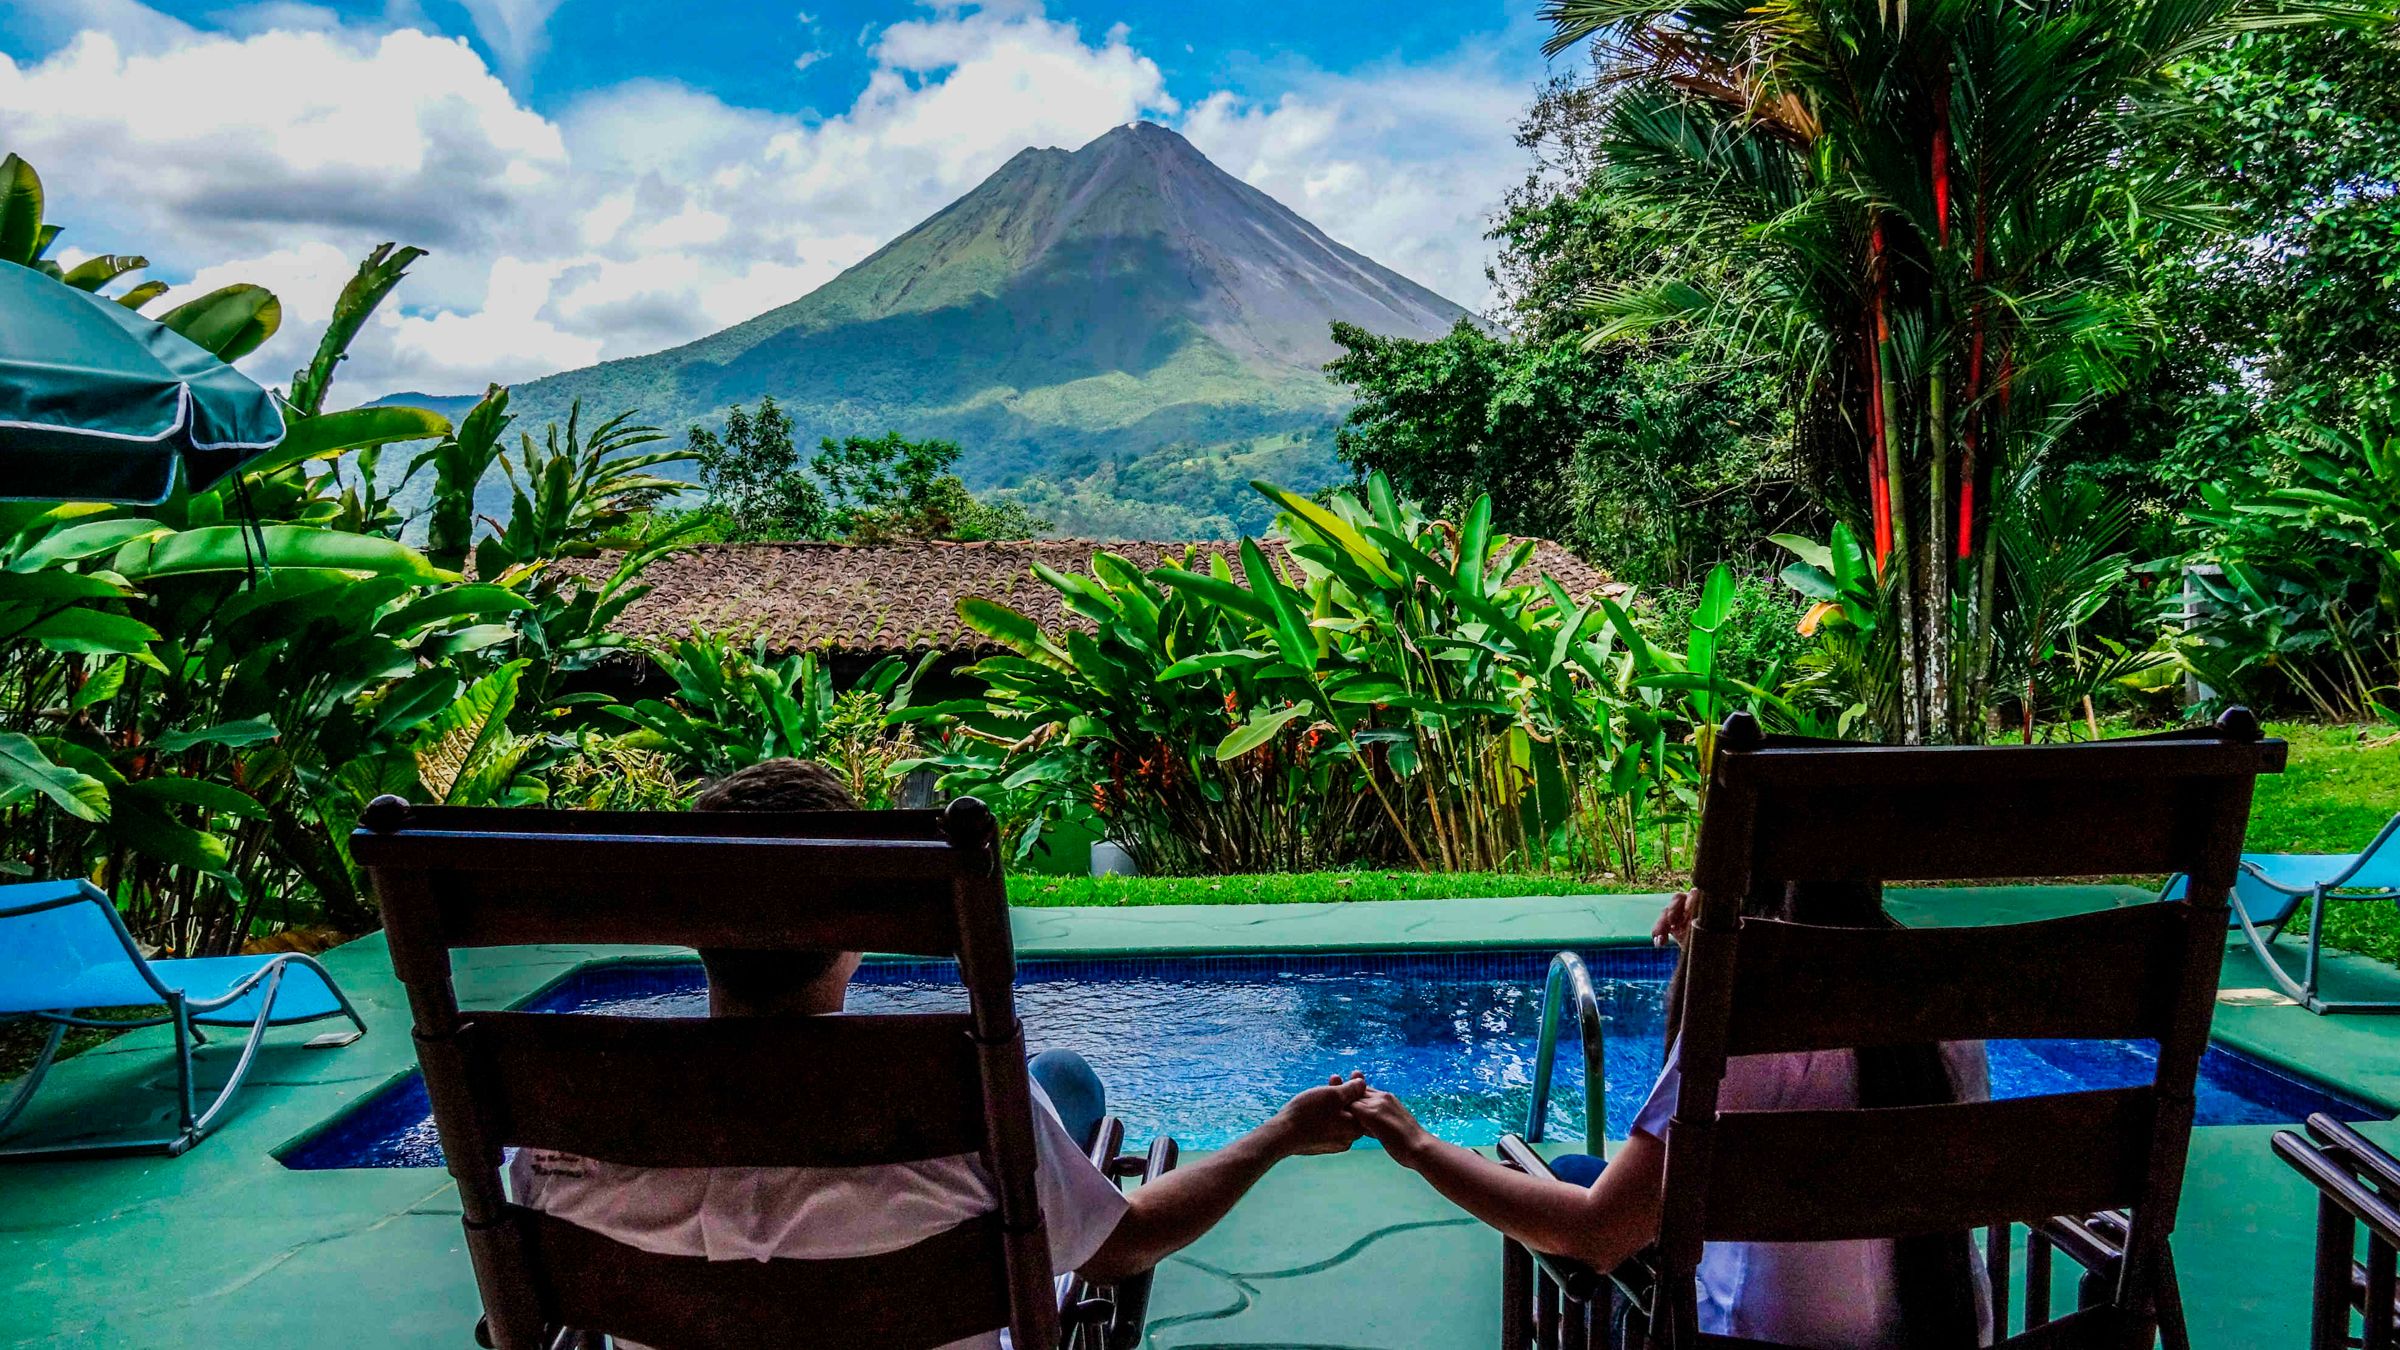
[808,24]
[1406,165]
[510,336]
[242,144]
[650,213]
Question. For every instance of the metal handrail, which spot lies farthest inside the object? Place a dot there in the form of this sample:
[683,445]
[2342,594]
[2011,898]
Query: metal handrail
[1567,972]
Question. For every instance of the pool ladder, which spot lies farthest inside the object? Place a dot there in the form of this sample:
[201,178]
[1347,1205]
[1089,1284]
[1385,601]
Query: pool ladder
[1569,977]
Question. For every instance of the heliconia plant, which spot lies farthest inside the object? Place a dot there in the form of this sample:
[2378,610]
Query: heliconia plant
[1374,687]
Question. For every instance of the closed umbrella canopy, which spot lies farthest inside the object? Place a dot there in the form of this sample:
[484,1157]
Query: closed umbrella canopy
[98,403]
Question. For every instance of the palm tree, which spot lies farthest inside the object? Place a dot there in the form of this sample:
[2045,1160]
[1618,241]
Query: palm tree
[1929,215]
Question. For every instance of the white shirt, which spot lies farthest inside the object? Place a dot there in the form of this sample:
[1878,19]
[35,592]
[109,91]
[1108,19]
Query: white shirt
[813,1213]
[1835,1295]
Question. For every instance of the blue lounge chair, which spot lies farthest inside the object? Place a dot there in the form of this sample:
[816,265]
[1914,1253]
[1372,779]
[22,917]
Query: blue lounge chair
[63,949]
[2270,886]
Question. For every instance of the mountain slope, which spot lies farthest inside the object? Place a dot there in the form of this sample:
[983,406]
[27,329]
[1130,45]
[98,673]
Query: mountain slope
[1077,311]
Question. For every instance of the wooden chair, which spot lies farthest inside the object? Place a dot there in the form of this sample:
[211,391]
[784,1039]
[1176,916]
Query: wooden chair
[2358,1185]
[697,1092]
[1785,809]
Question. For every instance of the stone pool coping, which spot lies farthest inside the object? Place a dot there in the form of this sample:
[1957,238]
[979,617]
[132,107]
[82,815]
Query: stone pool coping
[225,1246]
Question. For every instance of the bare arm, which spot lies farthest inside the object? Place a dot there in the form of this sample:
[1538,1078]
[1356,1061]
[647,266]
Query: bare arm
[1600,1225]
[1172,1212]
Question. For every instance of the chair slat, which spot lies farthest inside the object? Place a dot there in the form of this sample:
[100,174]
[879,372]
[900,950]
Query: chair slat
[728,1092]
[945,1288]
[814,907]
[1965,828]
[1822,1176]
[2198,753]
[661,856]
[744,856]
[2106,975]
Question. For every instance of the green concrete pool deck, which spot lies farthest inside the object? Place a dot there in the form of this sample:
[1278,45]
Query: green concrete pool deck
[226,1247]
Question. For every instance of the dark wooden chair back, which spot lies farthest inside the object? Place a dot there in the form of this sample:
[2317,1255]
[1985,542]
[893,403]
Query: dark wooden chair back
[698,1092]
[1788,810]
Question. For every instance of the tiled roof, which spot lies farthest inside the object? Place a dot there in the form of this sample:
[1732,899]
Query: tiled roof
[871,599]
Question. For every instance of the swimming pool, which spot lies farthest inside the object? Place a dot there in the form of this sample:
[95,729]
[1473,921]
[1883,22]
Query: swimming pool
[1203,1047]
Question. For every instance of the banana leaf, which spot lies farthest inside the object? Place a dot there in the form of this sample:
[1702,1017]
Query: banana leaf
[232,548]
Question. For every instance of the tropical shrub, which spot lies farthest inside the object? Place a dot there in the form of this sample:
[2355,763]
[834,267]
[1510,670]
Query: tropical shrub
[610,773]
[735,706]
[1115,724]
[2305,599]
[1849,673]
[223,698]
[166,713]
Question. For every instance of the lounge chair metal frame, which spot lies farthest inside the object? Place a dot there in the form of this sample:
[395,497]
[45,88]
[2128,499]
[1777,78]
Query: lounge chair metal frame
[2358,1186]
[2172,802]
[186,1014]
[1114,1317]
[857,1090]
[2317,894]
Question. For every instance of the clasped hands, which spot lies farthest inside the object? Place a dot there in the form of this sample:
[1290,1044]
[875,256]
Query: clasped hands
[1331,1118]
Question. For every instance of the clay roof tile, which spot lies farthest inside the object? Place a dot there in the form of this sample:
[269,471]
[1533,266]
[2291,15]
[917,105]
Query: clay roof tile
[885,598]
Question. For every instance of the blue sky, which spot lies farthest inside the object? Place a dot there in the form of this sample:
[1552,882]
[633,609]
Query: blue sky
[600,178]
[814,56]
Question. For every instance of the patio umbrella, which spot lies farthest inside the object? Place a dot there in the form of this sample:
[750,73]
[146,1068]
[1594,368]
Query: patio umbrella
[98,403]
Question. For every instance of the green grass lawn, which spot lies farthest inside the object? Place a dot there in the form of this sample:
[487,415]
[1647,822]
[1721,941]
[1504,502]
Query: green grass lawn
[2340,787]
[1300,888]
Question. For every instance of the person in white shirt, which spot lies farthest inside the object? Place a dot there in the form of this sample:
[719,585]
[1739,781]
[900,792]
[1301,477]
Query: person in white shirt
[1921,1293]
[754,1213]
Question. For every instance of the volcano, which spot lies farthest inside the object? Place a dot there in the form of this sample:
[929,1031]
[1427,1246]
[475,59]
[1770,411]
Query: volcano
[1126,319]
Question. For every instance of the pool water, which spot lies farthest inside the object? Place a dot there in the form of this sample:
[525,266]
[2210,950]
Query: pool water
[1204,1047]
